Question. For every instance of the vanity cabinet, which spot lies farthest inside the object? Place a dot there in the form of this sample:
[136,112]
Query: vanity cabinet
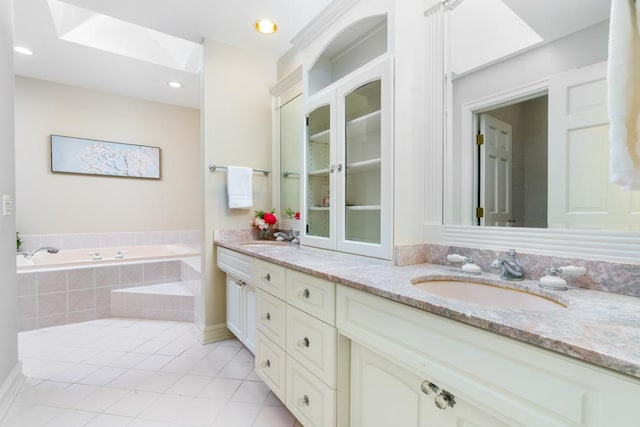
[296,343]
[241,296]
[347,177]
[397,351]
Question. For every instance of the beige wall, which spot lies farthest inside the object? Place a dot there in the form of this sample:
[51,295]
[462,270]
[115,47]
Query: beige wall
[8,330]
[236,131]
[59,203]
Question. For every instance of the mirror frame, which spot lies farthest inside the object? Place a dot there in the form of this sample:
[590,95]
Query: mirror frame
[618,246]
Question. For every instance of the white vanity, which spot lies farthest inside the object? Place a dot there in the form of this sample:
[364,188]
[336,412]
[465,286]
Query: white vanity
[349,341]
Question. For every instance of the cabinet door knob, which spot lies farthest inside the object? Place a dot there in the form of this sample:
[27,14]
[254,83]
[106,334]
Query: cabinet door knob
[332,168]
[445,400]
[303,401]
[306,293]
[338,167]
[239,282]
[267,277]
[304,342]
[266,317]
[266,364]
[429,387]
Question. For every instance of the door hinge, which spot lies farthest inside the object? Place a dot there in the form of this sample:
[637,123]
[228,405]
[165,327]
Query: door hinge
[479,139]
[479,212]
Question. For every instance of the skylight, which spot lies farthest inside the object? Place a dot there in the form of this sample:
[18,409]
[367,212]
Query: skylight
[81,26]
[483,31]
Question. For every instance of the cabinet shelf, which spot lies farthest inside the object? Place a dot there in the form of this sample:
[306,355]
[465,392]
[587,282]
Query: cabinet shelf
[319,208]
[363,208]
[364,125]
[322,137]
[365,165]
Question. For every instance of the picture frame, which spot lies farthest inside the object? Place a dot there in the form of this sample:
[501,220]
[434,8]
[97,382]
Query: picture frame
[82,156]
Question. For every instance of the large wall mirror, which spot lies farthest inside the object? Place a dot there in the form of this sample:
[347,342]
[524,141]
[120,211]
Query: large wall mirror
[291,136]
[530,78]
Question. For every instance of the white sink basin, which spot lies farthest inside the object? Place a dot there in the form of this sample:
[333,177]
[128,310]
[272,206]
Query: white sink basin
[487,294]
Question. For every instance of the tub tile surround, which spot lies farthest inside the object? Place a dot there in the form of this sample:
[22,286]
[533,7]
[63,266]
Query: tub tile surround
[52,298]
[596,327]
[602,276]
[104,240]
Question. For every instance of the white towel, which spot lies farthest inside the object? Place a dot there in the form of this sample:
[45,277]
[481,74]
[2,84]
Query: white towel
[239,189]
[623,76]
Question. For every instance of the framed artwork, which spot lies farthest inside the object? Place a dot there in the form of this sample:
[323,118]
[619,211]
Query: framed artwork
[92,157]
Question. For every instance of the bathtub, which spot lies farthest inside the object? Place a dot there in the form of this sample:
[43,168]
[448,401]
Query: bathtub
[85,258]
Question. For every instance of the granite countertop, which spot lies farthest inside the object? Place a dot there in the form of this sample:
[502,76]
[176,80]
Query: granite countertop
[596,327]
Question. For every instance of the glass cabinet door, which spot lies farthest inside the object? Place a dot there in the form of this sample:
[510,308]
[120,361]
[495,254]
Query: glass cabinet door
[319,169]
[362,158]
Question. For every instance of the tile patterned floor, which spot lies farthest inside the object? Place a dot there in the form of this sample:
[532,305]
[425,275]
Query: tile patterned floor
[139,373]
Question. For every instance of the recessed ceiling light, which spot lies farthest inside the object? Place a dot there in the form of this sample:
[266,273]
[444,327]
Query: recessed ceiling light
[177,85]
[23,50]
[265,26]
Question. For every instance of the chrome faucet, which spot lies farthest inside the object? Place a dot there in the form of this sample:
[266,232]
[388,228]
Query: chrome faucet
[49,249]
[510,268]
[281,235]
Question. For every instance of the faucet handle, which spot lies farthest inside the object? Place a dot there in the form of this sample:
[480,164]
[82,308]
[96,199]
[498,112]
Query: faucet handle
[572,271]
[469,266]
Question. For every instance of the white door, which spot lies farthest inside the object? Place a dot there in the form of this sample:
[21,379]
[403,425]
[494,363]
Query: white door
[234,306]
[495,171]
[580,195]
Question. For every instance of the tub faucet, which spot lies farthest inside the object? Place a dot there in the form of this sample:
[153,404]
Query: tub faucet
[510,268]
[49,249]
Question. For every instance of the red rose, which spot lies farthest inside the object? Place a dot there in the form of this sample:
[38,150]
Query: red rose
[297,215]
[270,218]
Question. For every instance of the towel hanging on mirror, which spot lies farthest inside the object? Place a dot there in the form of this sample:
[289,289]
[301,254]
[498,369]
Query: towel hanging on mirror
[623,86]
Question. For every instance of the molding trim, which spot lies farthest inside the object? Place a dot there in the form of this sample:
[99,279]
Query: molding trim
[10,388]
[621,247]
[326,17]
[213,333]
[290,82]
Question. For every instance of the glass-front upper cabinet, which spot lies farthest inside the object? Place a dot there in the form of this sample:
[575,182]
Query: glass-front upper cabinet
[348,159]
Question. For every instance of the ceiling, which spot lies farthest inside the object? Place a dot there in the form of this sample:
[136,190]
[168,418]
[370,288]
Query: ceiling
[47,26]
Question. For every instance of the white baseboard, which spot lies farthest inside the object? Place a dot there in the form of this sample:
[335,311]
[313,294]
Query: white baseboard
[213,333]
[9,389]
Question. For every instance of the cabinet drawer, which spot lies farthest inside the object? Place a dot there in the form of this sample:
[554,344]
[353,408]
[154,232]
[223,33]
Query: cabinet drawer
[269,277]
[312,295]
[312,343]
[271,365]
[271,313]
[234,263]
[308,399]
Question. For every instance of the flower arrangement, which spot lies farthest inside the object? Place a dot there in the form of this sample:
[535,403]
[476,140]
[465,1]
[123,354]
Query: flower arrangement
[291,214]
[264,220]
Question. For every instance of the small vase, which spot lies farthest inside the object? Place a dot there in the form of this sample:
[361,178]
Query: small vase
[265,234]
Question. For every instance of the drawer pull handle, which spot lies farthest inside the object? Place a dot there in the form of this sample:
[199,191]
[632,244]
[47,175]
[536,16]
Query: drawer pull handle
[306,293]
[266,364]
[266,317]
[266,277]
[239,282]
[428,388]
[445,400]
[303,401]
[304,342]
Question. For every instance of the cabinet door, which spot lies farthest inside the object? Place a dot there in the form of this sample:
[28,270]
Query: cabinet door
[364,161]
[250,317]
[384,394]
[318,195]
[234,306]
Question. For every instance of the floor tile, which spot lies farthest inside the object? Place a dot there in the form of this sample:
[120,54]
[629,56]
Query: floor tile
[251,392]
[237,415]
[133,403]
[139,373]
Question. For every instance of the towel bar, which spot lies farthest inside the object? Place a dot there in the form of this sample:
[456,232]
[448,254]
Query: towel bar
[213,168]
